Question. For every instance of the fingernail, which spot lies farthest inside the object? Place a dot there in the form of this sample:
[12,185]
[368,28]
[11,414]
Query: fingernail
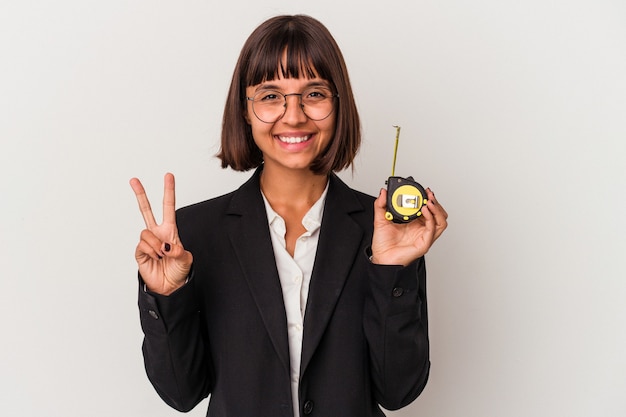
[167,247]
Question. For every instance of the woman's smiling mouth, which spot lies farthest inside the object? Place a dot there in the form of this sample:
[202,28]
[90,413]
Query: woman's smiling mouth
[294,139]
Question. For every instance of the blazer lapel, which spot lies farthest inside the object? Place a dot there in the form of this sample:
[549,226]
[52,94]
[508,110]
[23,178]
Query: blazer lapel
[339,243]
[250,238]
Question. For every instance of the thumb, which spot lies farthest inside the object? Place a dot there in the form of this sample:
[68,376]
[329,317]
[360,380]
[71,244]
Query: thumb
[380,206]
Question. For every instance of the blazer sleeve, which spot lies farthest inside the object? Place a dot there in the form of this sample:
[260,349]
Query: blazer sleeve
[396,328]
[174,348]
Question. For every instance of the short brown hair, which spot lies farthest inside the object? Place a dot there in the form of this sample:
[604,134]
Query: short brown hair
[310,51]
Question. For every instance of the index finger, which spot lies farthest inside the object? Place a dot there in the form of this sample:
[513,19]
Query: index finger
[169,199]
[144,204]
[439,213]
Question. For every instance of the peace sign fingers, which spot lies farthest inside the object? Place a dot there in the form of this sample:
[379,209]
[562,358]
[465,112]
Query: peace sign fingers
[163,262]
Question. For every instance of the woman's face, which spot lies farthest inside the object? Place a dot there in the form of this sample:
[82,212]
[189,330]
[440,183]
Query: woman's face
[294,140]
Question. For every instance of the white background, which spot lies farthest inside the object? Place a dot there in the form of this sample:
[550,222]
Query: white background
[514,112]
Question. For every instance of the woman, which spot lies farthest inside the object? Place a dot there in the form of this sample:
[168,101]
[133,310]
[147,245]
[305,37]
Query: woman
[292,295]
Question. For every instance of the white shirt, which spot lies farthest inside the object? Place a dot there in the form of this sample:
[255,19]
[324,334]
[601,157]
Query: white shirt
[295,277]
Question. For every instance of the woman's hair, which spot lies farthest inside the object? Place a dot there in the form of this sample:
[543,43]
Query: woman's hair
[290,47]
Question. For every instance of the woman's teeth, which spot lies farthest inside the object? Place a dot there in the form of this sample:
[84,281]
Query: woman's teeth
[291,139]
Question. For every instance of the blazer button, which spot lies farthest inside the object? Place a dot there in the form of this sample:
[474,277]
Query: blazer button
[308,407]
[397,292]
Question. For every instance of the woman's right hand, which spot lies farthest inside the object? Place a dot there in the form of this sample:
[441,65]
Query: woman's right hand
[163,262]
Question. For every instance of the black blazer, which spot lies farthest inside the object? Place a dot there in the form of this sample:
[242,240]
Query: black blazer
[225,333]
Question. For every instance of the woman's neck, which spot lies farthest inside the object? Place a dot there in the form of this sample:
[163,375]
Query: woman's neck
[295,189]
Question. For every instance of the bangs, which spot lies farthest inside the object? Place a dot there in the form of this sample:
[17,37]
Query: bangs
[290,54]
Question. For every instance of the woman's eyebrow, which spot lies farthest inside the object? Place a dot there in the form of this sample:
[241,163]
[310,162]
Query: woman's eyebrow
[318,83]
[266,86]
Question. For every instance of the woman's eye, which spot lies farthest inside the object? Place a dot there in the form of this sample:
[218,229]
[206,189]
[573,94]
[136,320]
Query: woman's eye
[271,96]
[317,94]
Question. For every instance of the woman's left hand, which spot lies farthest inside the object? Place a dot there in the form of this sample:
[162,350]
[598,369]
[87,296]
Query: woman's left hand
[401,244]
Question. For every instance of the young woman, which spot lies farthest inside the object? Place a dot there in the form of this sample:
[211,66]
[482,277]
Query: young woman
[293,295]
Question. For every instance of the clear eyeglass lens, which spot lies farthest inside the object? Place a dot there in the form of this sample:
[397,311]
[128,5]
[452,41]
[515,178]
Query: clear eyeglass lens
[269,105]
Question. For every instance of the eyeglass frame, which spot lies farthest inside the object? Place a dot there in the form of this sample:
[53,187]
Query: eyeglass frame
[332,96]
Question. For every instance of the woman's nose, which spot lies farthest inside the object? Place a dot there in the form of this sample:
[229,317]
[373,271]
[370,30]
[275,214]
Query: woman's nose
[294,112]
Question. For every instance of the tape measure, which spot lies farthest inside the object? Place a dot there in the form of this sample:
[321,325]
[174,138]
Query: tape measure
[405,196]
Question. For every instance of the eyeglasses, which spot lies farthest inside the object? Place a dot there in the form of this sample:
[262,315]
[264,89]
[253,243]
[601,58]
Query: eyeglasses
[317,103]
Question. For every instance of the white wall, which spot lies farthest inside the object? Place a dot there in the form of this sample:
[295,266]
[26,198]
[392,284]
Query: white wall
[513,112]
